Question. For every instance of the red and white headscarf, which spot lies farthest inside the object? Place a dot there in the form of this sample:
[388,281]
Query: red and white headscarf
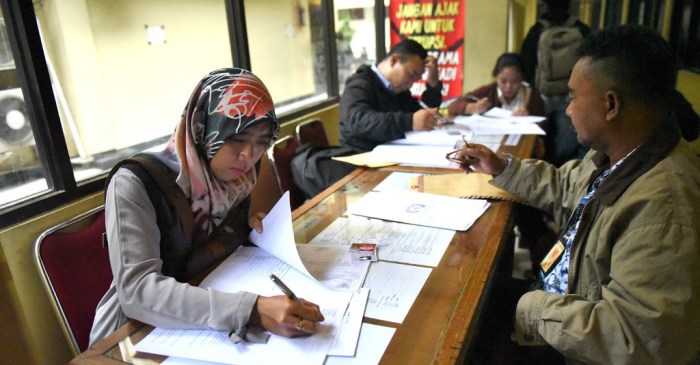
[225,102]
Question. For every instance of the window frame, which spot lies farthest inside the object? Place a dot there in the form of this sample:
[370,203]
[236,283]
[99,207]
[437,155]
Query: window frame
[684,37]
[32,72]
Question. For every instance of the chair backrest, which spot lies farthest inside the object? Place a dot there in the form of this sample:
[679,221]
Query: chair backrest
[312,130]
[281,154]
[74,266]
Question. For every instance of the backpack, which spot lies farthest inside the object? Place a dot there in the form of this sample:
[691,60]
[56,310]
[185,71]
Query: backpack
[556,56]
[313,167]
[173,193]
[184,263]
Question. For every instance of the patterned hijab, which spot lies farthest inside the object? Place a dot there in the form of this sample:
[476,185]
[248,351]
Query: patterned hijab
[225,102]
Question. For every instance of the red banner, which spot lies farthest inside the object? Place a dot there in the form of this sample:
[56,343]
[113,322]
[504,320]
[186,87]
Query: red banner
[438,25]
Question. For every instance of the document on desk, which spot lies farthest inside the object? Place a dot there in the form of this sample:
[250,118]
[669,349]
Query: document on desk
[359,344]
[438,137]
[420,208]
[373,342]
[346,344]
[328,265]
[480,124]
[392,289]
[408,154]
[397,180]
[248,269]
[503,114]
[397,242]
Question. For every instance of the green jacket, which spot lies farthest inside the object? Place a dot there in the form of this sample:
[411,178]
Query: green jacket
[634,275]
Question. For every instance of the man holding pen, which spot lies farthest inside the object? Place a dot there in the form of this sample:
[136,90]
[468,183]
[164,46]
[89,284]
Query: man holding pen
[377,106]
[621,284]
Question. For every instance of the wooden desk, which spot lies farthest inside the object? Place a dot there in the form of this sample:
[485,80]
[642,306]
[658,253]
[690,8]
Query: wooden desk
[442,322]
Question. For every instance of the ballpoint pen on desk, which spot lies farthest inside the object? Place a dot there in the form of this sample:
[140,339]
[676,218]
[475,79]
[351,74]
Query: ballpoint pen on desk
[285,289]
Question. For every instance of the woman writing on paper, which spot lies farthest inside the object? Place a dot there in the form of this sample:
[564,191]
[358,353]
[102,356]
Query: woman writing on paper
[508,92]
[228,123]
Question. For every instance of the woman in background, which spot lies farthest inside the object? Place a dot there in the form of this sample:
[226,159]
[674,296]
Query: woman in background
[228,123]
[509,92]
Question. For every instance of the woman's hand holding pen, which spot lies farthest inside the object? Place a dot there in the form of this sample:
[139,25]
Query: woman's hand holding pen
[480,159]
[477,106]
[285,316]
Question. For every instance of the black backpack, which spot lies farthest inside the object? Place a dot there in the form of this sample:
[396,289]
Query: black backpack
[556,56]
[313,169]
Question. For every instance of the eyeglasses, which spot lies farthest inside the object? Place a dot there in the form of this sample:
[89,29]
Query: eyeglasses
[464,159]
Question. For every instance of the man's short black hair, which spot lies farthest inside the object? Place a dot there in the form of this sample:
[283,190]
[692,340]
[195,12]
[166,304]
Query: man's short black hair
[406,48]
[636,59]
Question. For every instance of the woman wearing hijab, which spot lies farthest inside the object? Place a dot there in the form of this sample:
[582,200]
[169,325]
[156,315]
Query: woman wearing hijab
[228,123]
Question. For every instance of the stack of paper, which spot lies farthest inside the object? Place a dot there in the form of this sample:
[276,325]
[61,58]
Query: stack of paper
[248,269]
[500,122]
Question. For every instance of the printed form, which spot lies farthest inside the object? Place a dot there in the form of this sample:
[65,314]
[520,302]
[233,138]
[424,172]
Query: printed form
[420,208]
[248,269]
[396,242]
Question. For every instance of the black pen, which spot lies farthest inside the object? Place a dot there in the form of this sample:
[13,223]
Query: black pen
[285,289]
[472,98]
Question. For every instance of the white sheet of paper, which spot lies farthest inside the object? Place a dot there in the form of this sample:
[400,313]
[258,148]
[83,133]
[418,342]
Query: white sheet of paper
[180,361]
[215,346]
[277,237]
[420,208]
[396,242]
[412,154]
[392,289]
[248,269]
[371,346]
[501,113]
[326,265]
[396,180]
[437,137]
[333,267]
[346,343]
[479,124]
[497,112]
[513,140]
[373,342]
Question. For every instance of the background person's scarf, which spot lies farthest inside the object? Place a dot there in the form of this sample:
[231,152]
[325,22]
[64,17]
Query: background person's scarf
[224,103]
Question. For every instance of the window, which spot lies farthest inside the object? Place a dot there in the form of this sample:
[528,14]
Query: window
[355,37]
[105,79]
[122,70]
[685,33]
[287,51]
[21,173]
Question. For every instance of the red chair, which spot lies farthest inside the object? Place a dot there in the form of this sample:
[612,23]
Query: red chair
[74,267]
[280,154]
[312,130]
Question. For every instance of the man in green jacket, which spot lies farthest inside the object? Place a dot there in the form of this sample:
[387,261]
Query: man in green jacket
[622,283]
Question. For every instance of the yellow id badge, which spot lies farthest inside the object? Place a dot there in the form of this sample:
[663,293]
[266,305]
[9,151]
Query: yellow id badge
[552,257]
